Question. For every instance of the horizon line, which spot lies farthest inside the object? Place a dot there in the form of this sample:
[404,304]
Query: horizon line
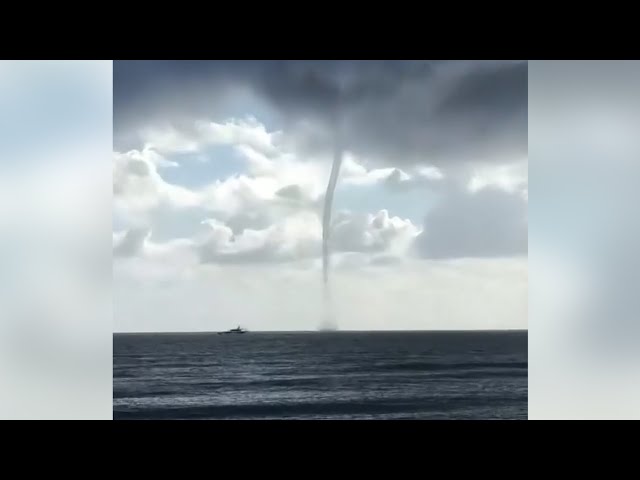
[331,331]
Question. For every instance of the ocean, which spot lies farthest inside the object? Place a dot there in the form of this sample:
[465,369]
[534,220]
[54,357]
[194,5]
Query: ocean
[317,375]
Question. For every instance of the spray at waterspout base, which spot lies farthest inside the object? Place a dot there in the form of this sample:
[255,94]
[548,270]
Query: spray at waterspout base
[329,321]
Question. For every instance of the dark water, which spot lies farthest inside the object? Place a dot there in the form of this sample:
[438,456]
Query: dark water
[342,375]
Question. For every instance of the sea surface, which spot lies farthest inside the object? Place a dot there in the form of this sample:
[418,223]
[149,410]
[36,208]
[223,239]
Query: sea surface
[336,375]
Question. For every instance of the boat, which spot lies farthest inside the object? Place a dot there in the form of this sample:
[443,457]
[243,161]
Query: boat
[236,330]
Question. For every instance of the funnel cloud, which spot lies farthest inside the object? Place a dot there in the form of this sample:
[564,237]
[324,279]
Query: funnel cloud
[329,322]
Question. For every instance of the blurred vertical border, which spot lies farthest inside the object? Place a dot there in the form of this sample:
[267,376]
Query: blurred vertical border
[584,242]
[55,250]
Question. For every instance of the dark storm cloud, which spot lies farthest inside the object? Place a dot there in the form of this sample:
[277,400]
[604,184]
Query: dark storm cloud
[318,88]
[395,111]
[298,87]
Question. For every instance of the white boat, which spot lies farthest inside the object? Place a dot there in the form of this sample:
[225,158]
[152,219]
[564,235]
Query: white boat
[236,330]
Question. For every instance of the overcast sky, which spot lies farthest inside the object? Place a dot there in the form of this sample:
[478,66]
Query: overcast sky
[219,173]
